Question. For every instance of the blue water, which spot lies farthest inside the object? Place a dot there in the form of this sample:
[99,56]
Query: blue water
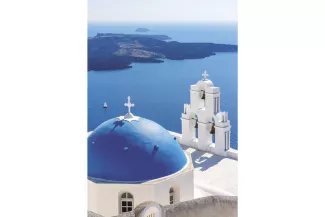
[159,90]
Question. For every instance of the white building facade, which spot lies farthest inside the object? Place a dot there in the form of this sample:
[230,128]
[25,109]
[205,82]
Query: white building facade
[204,126]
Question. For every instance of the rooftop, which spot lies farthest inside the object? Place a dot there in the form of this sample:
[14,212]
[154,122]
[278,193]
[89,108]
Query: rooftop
[213,174]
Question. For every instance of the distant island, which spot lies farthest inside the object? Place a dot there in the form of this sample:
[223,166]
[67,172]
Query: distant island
[129,36]
[108,51]
[142,30]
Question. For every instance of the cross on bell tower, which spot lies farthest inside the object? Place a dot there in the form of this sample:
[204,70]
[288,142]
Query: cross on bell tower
[129,105]
[205,75]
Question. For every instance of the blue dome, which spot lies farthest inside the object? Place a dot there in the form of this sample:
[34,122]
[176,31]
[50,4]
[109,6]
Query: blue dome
[141,150]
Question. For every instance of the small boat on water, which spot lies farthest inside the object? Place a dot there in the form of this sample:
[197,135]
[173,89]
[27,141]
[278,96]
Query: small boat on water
[105,105]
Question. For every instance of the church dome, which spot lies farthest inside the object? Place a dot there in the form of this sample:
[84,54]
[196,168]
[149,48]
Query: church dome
[133,149]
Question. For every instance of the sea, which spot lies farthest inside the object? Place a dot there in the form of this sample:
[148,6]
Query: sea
[159,90]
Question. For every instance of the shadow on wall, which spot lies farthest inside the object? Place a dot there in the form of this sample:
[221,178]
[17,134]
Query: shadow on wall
[203,160]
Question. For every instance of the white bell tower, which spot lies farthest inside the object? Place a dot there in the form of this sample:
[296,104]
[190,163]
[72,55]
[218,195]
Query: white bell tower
[203,125]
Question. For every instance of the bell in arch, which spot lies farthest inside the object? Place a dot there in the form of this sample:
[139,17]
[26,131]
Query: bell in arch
[212,129]
[203,95]
[196,125]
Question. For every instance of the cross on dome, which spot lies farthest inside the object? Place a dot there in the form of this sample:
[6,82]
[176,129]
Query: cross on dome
[205,75]
[129,104]
[129,116]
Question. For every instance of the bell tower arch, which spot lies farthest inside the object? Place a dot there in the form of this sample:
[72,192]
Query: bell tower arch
[203,115]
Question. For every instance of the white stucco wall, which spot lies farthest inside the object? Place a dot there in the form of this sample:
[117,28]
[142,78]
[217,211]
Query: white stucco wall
[104,198]
[183,185]
[232,153]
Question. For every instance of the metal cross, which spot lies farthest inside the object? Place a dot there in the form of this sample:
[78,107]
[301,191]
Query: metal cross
[205,75]
[129,104]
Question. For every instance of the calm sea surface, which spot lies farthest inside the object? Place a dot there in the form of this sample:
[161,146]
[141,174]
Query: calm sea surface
[159,90]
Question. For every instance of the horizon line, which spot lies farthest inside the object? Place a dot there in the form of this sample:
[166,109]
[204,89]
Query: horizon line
[162,22]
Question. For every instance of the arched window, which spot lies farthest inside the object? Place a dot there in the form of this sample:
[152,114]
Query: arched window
[213,131]
[171,196]
[196,126]
[203,94]
[126,204]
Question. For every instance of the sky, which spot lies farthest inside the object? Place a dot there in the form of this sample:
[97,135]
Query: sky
[162,10]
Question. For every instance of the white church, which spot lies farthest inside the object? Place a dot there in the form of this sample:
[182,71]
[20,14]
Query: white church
[132,160]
